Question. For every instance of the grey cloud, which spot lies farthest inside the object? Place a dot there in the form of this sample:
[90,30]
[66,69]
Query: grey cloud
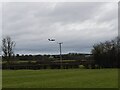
[78,25]
[71,12]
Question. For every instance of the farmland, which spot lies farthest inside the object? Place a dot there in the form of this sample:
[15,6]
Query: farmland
[61,78]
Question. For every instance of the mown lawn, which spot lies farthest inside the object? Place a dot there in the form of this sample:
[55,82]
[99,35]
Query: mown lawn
[57,78]
[0,79]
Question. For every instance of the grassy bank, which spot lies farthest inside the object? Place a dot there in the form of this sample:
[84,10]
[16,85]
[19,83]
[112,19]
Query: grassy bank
[70,78]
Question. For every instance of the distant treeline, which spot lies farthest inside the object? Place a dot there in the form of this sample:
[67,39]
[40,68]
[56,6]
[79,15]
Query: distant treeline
[70,56]
[71,60]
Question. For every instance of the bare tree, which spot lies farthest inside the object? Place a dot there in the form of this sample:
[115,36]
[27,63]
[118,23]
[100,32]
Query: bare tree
[7,47]
[107,54]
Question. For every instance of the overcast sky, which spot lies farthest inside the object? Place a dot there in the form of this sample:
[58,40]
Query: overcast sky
[79,25]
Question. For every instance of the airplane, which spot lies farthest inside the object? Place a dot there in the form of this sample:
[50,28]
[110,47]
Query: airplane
[51,39]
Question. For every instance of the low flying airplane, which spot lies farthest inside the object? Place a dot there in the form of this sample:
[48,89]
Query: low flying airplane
[51,39]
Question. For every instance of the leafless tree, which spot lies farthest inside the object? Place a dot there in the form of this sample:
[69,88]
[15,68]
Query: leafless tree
[107,54]
[7,47]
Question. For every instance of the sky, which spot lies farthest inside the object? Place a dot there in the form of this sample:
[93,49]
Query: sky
[79,25]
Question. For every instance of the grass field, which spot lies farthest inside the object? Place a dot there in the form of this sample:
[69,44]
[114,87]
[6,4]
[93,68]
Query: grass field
[70,78]
[1,79]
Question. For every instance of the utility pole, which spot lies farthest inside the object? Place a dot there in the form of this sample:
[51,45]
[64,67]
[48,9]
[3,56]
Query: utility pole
[60,44]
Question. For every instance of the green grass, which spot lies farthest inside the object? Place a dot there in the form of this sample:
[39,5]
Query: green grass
[22,61]
[0,79]
[70,78]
